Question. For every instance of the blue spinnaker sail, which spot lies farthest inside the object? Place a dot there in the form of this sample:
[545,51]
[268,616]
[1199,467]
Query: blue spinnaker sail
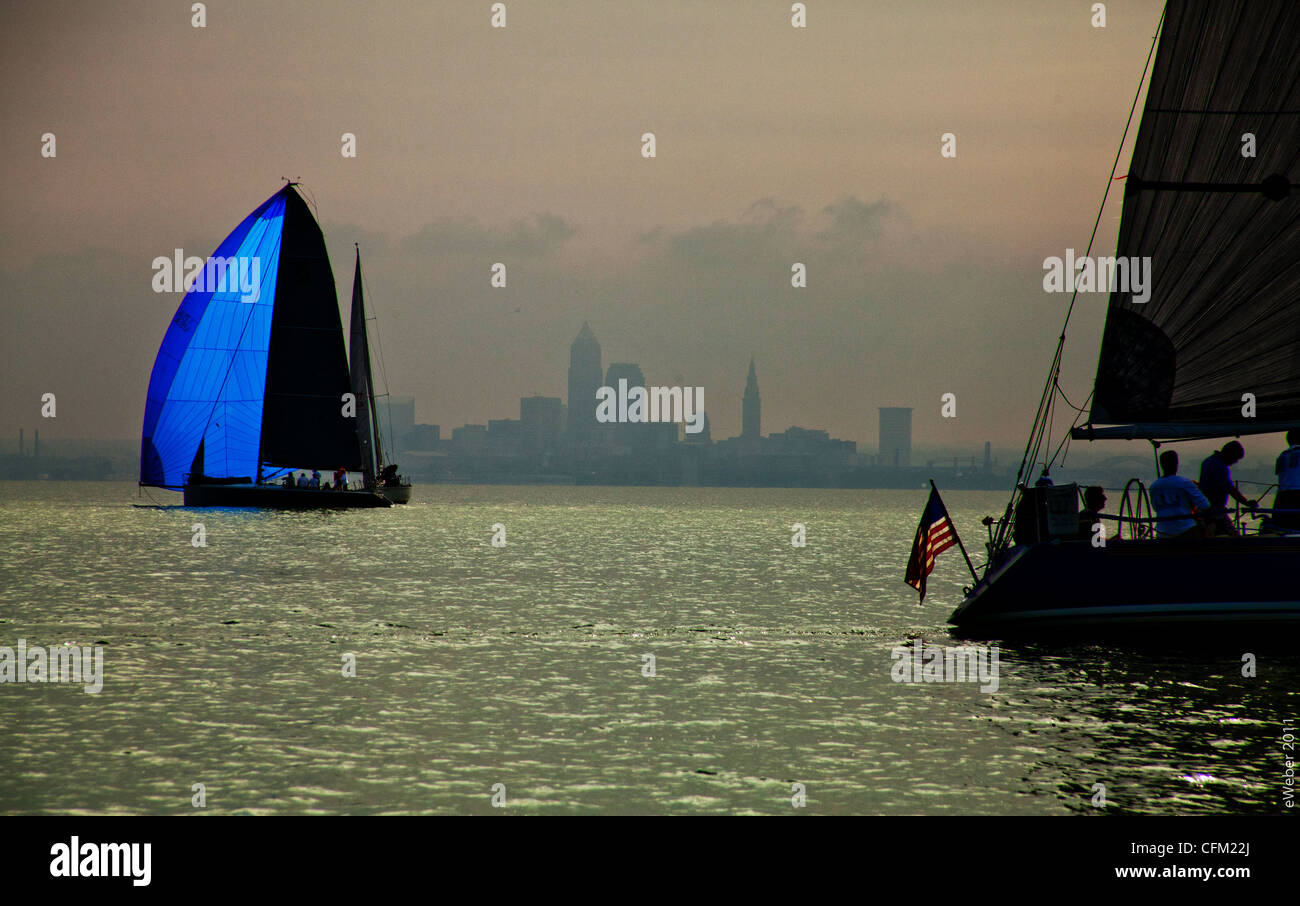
[209,380]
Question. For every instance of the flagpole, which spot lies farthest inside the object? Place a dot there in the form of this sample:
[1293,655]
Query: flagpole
[955,534]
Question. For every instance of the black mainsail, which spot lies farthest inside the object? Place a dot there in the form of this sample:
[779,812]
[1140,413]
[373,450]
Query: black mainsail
[1211,200]
[303,420]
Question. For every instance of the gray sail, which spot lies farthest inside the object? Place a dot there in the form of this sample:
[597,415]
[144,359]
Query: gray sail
[367,427]
[1220,227]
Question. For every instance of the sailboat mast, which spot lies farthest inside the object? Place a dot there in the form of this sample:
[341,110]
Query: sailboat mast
[370,382]
[374,410]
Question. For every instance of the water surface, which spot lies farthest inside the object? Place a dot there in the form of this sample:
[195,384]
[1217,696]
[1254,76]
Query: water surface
[523,665]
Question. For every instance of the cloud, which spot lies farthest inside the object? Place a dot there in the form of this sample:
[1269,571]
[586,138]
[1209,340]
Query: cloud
[853,220]
[537,237]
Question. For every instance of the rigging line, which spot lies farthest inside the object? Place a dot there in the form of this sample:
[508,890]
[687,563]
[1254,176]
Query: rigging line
[1064,444]
[1065,440]
[311,200]
[1036,430]
[1067,399]
[1051,420]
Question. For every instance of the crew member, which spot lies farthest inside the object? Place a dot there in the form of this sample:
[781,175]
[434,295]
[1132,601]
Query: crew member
[1094,501]
[1176,499]
[1216,485]
[1288,483]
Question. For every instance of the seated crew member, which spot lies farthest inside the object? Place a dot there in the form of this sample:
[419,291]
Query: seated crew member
[1176,499]
[315,479]
[302,479]
[287,481]
[1094,501]
[1287,470]
[1216,485]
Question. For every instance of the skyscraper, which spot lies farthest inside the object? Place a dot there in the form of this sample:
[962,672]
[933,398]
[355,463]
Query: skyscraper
[628,371]
[704,436]
[895,438]
[539,419]
[584,381]
[751,407]
[626,434]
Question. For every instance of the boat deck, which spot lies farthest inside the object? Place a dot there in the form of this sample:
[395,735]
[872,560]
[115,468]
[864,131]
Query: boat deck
[1127,585]
[277,497]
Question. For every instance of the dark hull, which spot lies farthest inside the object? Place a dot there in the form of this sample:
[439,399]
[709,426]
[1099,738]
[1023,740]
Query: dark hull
[397,493]
[1204,587]
[280,498]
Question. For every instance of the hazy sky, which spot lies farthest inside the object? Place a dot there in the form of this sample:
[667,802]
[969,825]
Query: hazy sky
[523,145]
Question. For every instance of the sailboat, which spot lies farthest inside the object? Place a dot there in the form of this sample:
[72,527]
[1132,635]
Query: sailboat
[251,383]
[1213,353]
[377,472]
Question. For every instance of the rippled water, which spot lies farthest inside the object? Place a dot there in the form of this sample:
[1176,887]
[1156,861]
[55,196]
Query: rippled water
[522,665]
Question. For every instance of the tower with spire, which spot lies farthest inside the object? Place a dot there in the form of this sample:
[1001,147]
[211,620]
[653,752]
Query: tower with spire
[751,407]
[585,375]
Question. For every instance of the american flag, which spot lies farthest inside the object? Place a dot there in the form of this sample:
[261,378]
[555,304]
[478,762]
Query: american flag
[934,535]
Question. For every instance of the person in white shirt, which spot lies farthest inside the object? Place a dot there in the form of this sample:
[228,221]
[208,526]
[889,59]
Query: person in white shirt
[1176,500]
[1288,483]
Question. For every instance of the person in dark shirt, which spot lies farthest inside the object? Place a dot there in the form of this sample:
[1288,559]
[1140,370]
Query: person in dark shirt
[1216,485]
[1094,501]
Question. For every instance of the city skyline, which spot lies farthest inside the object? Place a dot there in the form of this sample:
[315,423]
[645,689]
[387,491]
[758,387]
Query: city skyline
[826,153]
[585,367]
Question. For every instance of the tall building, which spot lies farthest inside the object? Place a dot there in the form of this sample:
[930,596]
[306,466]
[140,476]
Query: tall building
[704,436]
[629,371]
[423,437]
[752,407]
[541,420]
[505,435]
[469,439]
[584,381]
[895,437]
[626,434]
